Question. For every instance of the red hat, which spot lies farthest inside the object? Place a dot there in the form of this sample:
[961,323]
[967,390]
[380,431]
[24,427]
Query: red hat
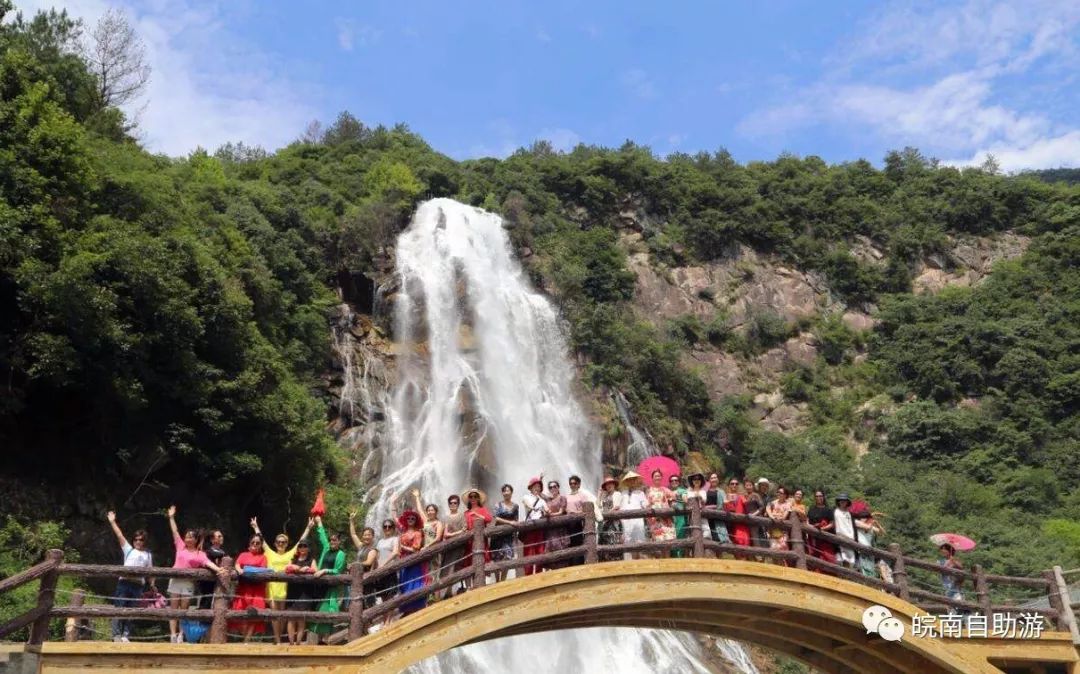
[403,520]
[535,480]
[610,479]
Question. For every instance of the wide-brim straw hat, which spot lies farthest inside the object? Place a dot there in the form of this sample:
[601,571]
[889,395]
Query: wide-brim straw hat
[608,479]
[628,479]
[473,490]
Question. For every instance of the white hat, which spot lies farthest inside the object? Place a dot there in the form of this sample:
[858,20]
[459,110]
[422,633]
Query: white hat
[764,480]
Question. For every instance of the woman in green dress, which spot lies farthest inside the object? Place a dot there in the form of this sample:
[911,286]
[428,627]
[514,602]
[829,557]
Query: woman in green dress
[679,504]
[332,560]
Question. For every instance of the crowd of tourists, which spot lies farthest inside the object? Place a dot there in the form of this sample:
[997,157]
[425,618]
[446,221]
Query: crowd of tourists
[407,532]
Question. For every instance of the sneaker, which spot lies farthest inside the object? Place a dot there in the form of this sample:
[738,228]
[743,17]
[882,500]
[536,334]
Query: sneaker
[117,639]
[125,640]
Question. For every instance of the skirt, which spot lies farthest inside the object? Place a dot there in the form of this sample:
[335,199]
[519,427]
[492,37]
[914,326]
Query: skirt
[183,587]
[634,531]
[412,578]
[249,596]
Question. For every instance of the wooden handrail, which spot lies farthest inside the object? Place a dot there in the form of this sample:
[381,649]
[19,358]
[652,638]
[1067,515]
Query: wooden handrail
[360,584]
[23,577]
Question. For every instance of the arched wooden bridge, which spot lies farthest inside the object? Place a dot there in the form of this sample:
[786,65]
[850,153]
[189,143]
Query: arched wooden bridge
[804,610]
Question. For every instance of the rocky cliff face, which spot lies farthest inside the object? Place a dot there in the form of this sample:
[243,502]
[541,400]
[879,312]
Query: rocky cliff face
[731,290]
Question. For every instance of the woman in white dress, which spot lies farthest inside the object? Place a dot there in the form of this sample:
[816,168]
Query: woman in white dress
[633,499]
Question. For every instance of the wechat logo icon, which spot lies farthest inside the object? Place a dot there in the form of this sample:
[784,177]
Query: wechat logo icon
[879,620]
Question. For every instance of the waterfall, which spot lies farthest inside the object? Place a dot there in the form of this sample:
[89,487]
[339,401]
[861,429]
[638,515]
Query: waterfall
[641,445]
[484,395]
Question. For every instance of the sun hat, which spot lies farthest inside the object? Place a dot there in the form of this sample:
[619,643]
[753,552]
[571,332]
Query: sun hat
[763,480]
[843,497]
[700,476]
[630,476]
[403,519]
[535,480]
[608,479]
[471,490]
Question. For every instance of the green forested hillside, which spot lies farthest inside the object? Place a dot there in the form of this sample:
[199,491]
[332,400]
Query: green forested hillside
[164,319]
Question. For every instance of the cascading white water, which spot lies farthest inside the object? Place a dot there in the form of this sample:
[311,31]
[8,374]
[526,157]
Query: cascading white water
[641,445]
[484,396]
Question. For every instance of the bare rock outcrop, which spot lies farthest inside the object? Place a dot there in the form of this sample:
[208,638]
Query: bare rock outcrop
[968,262]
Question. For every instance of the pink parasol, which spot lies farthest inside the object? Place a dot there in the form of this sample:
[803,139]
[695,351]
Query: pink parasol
[664,464]
[960,543]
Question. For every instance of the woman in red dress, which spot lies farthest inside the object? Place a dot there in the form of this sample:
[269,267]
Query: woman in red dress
[474,501]
[820,516]
[249,593]
[735,504]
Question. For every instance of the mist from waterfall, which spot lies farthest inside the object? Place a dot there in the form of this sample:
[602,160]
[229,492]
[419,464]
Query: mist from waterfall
[484,395]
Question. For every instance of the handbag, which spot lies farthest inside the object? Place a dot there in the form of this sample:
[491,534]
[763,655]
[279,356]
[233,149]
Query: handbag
[152,599]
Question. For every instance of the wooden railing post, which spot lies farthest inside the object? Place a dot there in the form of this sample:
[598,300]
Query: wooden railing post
[982,590]
[73,625]
[356,601]
[478,549]
[222,592]
[697,528]
[1066,618]
[39,630]
[899,572]
[588,532]
[795,538]
[1058,601]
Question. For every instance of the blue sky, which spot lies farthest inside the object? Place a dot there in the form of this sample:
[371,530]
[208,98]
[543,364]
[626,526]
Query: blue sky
[837,79]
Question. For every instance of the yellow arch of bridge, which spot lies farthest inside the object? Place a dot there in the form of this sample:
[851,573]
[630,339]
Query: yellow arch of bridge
[808,616]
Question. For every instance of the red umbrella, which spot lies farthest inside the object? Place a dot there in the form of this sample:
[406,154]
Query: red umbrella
[859,506]
[960,543]
[664,464]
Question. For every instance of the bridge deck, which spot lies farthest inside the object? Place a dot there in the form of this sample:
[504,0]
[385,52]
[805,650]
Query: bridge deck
[807,615]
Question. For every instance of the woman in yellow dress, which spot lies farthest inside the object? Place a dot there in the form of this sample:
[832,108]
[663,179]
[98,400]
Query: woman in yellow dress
[277,559]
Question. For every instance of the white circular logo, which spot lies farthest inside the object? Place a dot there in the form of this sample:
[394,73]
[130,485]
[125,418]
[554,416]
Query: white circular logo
[879,620]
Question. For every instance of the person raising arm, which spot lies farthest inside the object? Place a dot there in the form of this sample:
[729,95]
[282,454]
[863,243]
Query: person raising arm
[129,589]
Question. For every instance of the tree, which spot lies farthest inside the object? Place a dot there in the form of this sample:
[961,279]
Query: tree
[117,58]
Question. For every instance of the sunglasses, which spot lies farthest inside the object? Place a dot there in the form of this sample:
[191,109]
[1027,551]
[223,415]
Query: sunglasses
[388,526]
[455,502]
[553,486]
[281,542]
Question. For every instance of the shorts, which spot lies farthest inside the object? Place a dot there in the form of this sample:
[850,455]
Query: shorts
[185,587]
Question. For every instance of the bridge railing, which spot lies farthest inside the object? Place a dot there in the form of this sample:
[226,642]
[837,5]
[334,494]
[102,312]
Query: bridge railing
[377,595]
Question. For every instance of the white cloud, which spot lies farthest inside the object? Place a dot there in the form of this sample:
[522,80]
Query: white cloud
[1062,150]
[638,83]
[351,34]
[963,55]
[207,86]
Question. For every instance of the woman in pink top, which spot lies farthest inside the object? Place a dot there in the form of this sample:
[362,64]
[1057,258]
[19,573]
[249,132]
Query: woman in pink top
[188,556]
